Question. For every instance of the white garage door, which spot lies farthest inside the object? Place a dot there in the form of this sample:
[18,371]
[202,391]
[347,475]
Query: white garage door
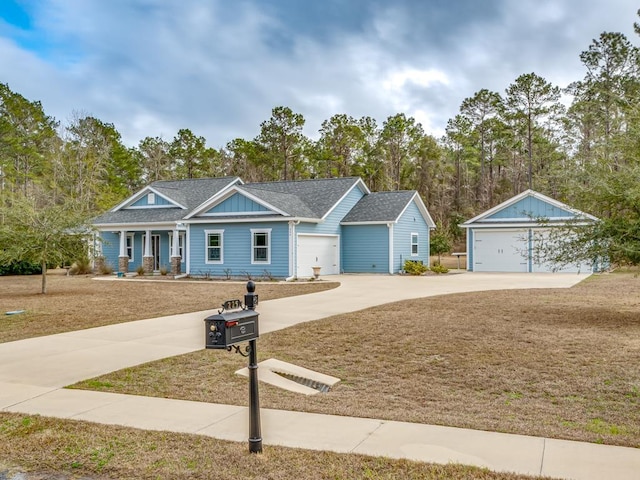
[318,250]
[500,251]
[541,236]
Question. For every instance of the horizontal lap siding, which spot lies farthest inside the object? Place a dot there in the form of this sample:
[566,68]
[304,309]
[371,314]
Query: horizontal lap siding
[237,250]
[410,222]
[365,248]
[110,249]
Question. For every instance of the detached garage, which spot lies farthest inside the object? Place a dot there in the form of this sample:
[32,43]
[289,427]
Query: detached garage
[503,238]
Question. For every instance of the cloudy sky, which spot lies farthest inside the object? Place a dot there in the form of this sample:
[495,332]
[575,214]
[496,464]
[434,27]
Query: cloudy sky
[218,67]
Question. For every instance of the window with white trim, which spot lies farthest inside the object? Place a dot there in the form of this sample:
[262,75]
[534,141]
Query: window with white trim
[181,237]
[261,246]
[129,246]
[214,246]
[414,244]
[151,199]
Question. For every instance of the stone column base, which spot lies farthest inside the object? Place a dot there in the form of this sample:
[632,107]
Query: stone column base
[123,264]
[98,264]
[176,265]
[147,264]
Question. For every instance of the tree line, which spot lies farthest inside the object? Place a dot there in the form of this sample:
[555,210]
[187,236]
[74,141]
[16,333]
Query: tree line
[579,144]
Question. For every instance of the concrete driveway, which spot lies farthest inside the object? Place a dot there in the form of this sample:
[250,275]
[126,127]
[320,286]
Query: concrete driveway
[33,372]
[59,360]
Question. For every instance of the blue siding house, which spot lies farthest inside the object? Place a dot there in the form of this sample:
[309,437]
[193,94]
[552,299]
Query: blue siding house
[224,227]
[503,238]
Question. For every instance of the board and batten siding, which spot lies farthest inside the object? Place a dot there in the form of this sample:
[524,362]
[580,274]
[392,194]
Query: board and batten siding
[411,221]
[365,248]
[530,208]
[237,203]
[236,249]
[331,224]
[144,201]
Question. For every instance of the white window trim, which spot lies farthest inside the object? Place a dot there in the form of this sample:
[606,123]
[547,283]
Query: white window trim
[181,243]
[151,198]
[417,244]
[253,247]
[206,246]
[130,249]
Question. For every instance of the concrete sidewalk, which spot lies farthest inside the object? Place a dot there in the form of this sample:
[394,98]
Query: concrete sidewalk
[32,373]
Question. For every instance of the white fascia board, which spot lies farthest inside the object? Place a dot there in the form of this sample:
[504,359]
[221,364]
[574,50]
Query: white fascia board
[377,222]
[503,226]
[214,220]
[135,227]
[423,210]
[563,206]
[358,182]
[222,192]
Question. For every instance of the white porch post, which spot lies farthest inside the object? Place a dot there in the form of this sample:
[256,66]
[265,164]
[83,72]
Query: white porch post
[123,244]
[147,257]
[123,258]
[147,244]
[176,260]
[174,246]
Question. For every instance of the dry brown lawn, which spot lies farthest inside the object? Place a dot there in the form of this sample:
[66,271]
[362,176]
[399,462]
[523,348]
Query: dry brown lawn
[553,363]
[78,302]
[51,448]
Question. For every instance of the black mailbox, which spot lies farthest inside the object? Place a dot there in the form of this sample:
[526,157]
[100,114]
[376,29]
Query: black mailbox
[228,328]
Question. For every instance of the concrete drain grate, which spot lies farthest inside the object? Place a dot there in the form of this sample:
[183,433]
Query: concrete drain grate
[307,382]
[292,377]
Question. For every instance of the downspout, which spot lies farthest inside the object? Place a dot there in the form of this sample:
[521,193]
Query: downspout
[390,226]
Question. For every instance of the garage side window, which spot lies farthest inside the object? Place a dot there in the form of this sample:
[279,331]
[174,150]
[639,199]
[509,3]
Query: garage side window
[261,246]
[414,244]
[214,246]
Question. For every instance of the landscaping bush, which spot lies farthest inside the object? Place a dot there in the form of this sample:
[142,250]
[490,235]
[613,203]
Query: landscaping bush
[81,266]
[415,268]
[438,268]
[21,268]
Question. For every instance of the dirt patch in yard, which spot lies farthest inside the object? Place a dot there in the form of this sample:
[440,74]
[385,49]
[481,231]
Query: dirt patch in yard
[553,363]
[79,302]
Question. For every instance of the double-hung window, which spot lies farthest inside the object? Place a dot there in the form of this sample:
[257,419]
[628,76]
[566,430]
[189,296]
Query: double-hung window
[214,246]
[414,244]
[261,246]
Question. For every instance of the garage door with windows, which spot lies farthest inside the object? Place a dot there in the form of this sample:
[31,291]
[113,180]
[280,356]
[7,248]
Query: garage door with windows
[318,251]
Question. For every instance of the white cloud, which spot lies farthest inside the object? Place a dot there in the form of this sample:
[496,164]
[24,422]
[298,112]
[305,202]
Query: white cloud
[218,68]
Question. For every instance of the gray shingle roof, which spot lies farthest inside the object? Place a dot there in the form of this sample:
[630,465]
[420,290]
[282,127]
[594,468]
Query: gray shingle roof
[303,198]
[379,207]
[189,193]
[314,197]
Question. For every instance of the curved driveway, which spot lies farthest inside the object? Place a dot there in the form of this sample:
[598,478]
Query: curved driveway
[33,372]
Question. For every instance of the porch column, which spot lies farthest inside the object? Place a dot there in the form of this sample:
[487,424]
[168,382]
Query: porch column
[123,258]
[147,258]
[176,261]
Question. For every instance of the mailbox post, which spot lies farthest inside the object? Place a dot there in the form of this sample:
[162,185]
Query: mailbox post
[255,435]
[234,324]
